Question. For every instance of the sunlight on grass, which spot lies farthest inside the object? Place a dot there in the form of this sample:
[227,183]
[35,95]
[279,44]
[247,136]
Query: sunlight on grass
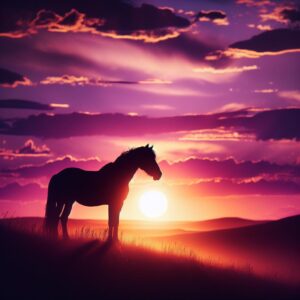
[127,238]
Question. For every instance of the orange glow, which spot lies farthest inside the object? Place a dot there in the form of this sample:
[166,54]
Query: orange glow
[60,105]
[25,82]
[227,70]
[244,53]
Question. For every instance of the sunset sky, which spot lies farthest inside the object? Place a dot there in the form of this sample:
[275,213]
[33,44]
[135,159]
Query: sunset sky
[213,85]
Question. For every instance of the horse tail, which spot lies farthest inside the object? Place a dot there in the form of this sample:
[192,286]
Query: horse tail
[51,213]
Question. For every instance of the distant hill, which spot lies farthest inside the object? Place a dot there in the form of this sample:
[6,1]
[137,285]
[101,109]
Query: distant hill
[33,267]
[271,248]
[146,228]
[220,223]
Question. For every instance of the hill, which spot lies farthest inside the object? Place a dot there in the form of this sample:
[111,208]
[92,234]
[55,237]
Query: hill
[133,228]
[271,248]
[33,267]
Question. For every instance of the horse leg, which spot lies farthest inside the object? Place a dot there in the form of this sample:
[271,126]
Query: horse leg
[114,213]
[64,219]
[116,225]
[54,228]
[111,215]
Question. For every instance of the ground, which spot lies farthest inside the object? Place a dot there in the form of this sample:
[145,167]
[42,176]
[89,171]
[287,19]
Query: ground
[36,267]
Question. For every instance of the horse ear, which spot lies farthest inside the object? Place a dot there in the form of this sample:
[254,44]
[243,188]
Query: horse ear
[147,146]
[151,147]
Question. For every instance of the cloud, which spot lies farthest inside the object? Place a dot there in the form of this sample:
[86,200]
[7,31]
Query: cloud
[285,13]
[260,27]
[81,124]
[233,106]
[268,43]
[24,104]
[291,14]
[263,125]
[230,188]
[162,107]
[29,149]
[52,167]
[204,168]
[10,79]
[186,46]
[34,192]
[266,91]
[16,192]
[84,80]
[226,70]
[270,124]
[293,95]
[255,3]
[115,19]
[271,41]
[216,16]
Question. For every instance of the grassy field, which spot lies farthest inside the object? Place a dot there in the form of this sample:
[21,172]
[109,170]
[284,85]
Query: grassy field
[35,267]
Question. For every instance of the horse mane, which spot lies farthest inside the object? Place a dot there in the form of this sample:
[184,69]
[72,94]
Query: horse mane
[133,151]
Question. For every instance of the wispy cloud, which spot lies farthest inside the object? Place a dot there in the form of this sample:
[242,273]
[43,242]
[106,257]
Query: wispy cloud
[84,80]
[292,95]
[226,70]
[263,125]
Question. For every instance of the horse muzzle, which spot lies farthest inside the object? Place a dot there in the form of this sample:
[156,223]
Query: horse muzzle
[157,176]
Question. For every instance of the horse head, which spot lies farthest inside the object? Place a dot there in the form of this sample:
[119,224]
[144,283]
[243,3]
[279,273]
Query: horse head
[148,162]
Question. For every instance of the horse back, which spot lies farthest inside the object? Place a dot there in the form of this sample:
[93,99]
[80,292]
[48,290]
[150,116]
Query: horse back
[90,188]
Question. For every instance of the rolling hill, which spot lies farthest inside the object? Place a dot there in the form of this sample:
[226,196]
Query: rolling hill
[271,248]
[34,267]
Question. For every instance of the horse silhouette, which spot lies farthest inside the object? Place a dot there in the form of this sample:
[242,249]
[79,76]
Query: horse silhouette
[108,186]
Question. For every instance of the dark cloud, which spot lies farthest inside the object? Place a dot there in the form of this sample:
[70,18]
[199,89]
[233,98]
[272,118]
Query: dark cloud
[229,168]
[291,14]
[52,167]
[274,40]
[110,18]
[187,46]
[211,14]
[24,104]
[273,124]
[82,124]
[12,79]
[270,42]
[265,125]
[16,192]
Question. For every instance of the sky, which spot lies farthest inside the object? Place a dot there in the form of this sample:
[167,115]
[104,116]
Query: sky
[213,85]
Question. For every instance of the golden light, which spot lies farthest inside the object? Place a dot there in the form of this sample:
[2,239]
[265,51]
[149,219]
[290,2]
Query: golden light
[60,105]
[153,204]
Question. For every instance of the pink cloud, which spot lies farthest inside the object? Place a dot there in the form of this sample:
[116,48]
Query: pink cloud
[84,80]
[29,149]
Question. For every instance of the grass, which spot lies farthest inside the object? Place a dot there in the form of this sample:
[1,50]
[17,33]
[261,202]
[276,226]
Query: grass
[35,267]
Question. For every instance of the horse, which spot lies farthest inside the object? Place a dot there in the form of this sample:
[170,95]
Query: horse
[107,186]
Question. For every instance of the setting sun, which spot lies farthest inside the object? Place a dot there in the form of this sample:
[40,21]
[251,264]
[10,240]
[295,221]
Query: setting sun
[153,204]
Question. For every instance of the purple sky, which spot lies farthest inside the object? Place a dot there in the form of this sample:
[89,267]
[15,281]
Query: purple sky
[216,81]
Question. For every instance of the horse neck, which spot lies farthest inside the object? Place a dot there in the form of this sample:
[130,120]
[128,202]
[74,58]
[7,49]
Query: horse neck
[128,168]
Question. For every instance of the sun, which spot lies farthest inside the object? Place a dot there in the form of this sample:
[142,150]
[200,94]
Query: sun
[153,204]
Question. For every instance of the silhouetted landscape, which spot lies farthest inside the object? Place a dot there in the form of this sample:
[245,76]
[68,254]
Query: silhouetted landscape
[150,149]
[89,267]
